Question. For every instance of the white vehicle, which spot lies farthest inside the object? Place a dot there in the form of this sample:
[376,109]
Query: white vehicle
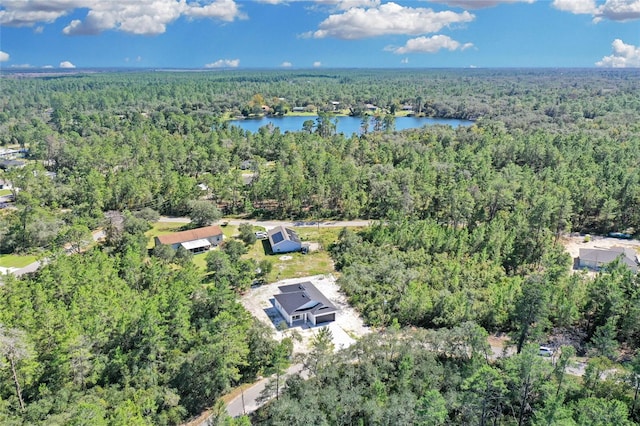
[545,351]
[261,235]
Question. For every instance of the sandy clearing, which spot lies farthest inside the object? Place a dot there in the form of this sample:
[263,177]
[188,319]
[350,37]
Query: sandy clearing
[347,327]
[574,243]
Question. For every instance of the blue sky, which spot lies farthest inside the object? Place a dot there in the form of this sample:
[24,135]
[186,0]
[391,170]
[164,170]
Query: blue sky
[319,33]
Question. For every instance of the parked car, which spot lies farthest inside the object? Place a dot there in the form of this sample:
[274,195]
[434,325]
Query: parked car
[261,235]
[620,235]
[545,351]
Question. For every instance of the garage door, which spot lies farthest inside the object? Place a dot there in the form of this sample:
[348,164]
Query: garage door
[326,318]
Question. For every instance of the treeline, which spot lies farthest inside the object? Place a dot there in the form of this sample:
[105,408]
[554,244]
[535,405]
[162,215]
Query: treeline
[443,377]
[114,337]
[429,275]
[520,98]
[543,183]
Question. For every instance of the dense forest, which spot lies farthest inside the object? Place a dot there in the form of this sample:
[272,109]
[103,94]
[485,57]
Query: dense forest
[466,240]
[440,377]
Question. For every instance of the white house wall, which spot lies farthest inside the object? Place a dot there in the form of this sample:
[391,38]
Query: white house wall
[286,246]
[284,313]
[215,240]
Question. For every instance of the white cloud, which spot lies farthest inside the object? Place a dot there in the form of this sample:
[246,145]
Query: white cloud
[4,56]
[404,61]
[136,17]
[478,4]
[317,64]
[21,66]
[332,4]
[624,56]
[224,63]
[225,10]
[389,18]
[576,6]
[39,29]
[29,12]
[66,64]
[286,64]
[619,10]
[429,45]
[614,10]
[48,66]
[348,4]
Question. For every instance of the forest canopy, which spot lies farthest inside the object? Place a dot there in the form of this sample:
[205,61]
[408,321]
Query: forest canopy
[466,233]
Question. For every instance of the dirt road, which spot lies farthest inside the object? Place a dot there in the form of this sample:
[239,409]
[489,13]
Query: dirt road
[273,223]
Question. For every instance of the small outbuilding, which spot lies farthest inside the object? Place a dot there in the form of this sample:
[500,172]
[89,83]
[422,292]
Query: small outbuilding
[195,240]
[304,302]
[597,258]
[284,240]
[9,164]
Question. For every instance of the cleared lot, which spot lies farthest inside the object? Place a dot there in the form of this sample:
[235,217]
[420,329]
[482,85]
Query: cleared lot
[347,327]
[573,244]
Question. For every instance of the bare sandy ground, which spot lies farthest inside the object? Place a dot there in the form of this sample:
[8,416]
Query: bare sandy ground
[573,244]
[347,327]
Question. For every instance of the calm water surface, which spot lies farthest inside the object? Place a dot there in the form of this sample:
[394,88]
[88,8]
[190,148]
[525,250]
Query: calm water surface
[346,125]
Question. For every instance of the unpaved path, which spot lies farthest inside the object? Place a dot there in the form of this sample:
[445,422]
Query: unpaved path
[268,224]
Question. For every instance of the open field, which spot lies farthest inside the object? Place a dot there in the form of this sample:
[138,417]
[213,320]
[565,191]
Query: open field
[161,228]
[293,265]
[16,261]
[290,265]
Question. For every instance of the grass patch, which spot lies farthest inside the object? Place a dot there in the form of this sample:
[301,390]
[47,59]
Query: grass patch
[4,192]
[229,231]
[200,261]
[300,265]
[316,263]
[16,261]
[161,228]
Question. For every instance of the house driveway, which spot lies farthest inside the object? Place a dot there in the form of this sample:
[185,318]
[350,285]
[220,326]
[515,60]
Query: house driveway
[347,327]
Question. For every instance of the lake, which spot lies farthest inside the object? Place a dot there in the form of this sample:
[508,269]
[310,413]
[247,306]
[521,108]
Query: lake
[347,125]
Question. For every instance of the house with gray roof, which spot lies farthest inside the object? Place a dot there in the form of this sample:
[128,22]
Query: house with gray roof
[304,302]
[284,240]
[597,258]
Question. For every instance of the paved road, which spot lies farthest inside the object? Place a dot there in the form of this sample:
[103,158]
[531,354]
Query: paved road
[268,224]
[273,223]
[250,396]
[32,267]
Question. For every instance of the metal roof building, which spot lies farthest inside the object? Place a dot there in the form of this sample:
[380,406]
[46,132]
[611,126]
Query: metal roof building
[597,258]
